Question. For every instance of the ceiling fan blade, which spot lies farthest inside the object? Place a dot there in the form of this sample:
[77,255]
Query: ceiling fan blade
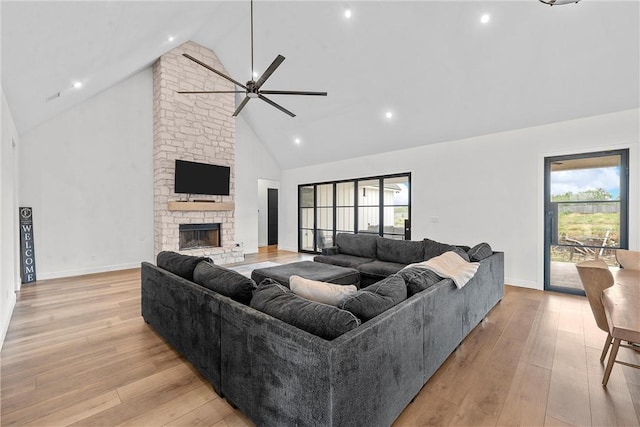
[241,106]
[268,101]
[214,91]
[197,61]
[292,92]
[275,64]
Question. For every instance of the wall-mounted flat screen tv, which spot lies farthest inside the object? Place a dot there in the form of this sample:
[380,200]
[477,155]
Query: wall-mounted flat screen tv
[201,178]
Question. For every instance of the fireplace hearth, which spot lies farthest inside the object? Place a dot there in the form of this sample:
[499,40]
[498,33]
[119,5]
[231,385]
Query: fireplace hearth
[195,236]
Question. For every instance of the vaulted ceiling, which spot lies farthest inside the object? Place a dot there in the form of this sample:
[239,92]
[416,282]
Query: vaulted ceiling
[442,73]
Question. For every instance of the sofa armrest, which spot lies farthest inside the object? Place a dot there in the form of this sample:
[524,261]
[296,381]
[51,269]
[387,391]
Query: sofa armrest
[331,250]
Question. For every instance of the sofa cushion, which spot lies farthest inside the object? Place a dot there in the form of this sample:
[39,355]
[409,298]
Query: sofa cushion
[380,268]
[369,302]
[224,281]
[315,290]
[323,320]
[342,260]
[480,252]
[363,245]
[418,279]
[400,251]
[460,251]
[433,248]
[181,265]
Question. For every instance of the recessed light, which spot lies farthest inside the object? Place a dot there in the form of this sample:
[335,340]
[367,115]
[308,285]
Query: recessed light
[347,13]
[485,18]
[77,85]
[297,141]
[171,38]
[388,114]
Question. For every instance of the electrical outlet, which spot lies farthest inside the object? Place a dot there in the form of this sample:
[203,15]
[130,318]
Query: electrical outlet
[435,219]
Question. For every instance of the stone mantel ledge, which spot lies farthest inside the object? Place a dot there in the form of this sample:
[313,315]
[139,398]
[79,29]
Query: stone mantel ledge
[200,206]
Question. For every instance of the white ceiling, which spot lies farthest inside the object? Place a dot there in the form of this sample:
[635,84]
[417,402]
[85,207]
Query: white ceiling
[444,74]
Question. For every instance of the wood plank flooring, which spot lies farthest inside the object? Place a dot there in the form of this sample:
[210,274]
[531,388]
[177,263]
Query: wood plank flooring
[78,353]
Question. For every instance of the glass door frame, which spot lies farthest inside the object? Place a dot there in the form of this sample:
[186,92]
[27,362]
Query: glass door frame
[550,207]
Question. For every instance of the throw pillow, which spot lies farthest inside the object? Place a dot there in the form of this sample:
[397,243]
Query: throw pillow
[225,282]
[368,302]
[418,279]
[326,293]
[480,252]
[433,248]
[325,321]
[181,265]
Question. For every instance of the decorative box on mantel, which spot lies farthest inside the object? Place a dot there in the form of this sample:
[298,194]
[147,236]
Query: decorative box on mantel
[201,206]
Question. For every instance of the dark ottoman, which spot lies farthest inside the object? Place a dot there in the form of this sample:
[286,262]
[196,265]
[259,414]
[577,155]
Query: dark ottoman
[308,270]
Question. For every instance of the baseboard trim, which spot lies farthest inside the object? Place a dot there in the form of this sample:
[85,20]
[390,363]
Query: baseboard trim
[83,271]
[7,319]
[522,283]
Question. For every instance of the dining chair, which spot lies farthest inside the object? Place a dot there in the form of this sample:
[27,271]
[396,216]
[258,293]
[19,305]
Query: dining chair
[596,277]
[628,259]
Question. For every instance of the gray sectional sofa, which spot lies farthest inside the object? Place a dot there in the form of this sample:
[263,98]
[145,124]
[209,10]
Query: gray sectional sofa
[378,257]
[280,375]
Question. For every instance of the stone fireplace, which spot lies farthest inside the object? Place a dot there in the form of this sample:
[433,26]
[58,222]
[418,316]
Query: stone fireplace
[197,236]
[198,128]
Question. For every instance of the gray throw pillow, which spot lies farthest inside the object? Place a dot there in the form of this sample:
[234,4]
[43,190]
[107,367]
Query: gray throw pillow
[369,302]
[433,248]
[418,279]
[181,265]
[480,252]
[325,321]
[225,282]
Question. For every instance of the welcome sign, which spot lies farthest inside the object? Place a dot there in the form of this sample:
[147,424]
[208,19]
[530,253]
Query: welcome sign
[27,254]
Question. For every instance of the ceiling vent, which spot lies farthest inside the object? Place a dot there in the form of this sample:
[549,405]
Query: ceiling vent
[558,2]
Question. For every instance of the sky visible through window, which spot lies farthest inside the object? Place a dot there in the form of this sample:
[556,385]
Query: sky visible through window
[576,181]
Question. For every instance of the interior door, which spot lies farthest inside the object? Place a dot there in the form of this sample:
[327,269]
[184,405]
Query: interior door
[586,210]
[272,216]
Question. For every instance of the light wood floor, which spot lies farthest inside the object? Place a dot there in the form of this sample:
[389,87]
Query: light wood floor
[78,353]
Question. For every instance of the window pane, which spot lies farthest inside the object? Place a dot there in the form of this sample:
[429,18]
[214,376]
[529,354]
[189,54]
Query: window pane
[345,219]
[325,218]
[306,237]
[306,197]
[369,220]
[306,217]
[324,196]
[344,194]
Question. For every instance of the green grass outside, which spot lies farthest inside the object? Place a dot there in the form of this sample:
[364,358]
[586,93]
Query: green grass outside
[590,228]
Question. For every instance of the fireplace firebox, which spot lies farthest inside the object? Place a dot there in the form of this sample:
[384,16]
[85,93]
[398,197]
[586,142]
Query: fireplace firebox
[194,236]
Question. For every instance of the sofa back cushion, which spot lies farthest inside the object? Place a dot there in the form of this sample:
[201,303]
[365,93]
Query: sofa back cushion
[325,321]
[364,245]
[178,264]
[418,279]
[225,282]
[368,302]
[433,248]
[400,251]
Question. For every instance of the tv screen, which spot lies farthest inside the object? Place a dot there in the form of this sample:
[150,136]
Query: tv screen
[201,178]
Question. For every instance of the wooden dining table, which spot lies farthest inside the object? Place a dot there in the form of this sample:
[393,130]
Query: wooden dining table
[622,308]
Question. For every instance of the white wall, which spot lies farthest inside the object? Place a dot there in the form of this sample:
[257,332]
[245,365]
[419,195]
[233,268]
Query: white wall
[9,243]
[88,174]
[254,164]
[487,188]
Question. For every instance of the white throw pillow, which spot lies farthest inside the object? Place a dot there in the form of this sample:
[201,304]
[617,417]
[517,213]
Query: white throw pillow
[326,293]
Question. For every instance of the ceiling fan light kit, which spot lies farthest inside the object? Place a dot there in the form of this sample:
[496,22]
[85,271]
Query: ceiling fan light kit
[252,89]
[558,2]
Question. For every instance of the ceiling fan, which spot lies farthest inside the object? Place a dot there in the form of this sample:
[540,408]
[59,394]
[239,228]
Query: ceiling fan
[252,88]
